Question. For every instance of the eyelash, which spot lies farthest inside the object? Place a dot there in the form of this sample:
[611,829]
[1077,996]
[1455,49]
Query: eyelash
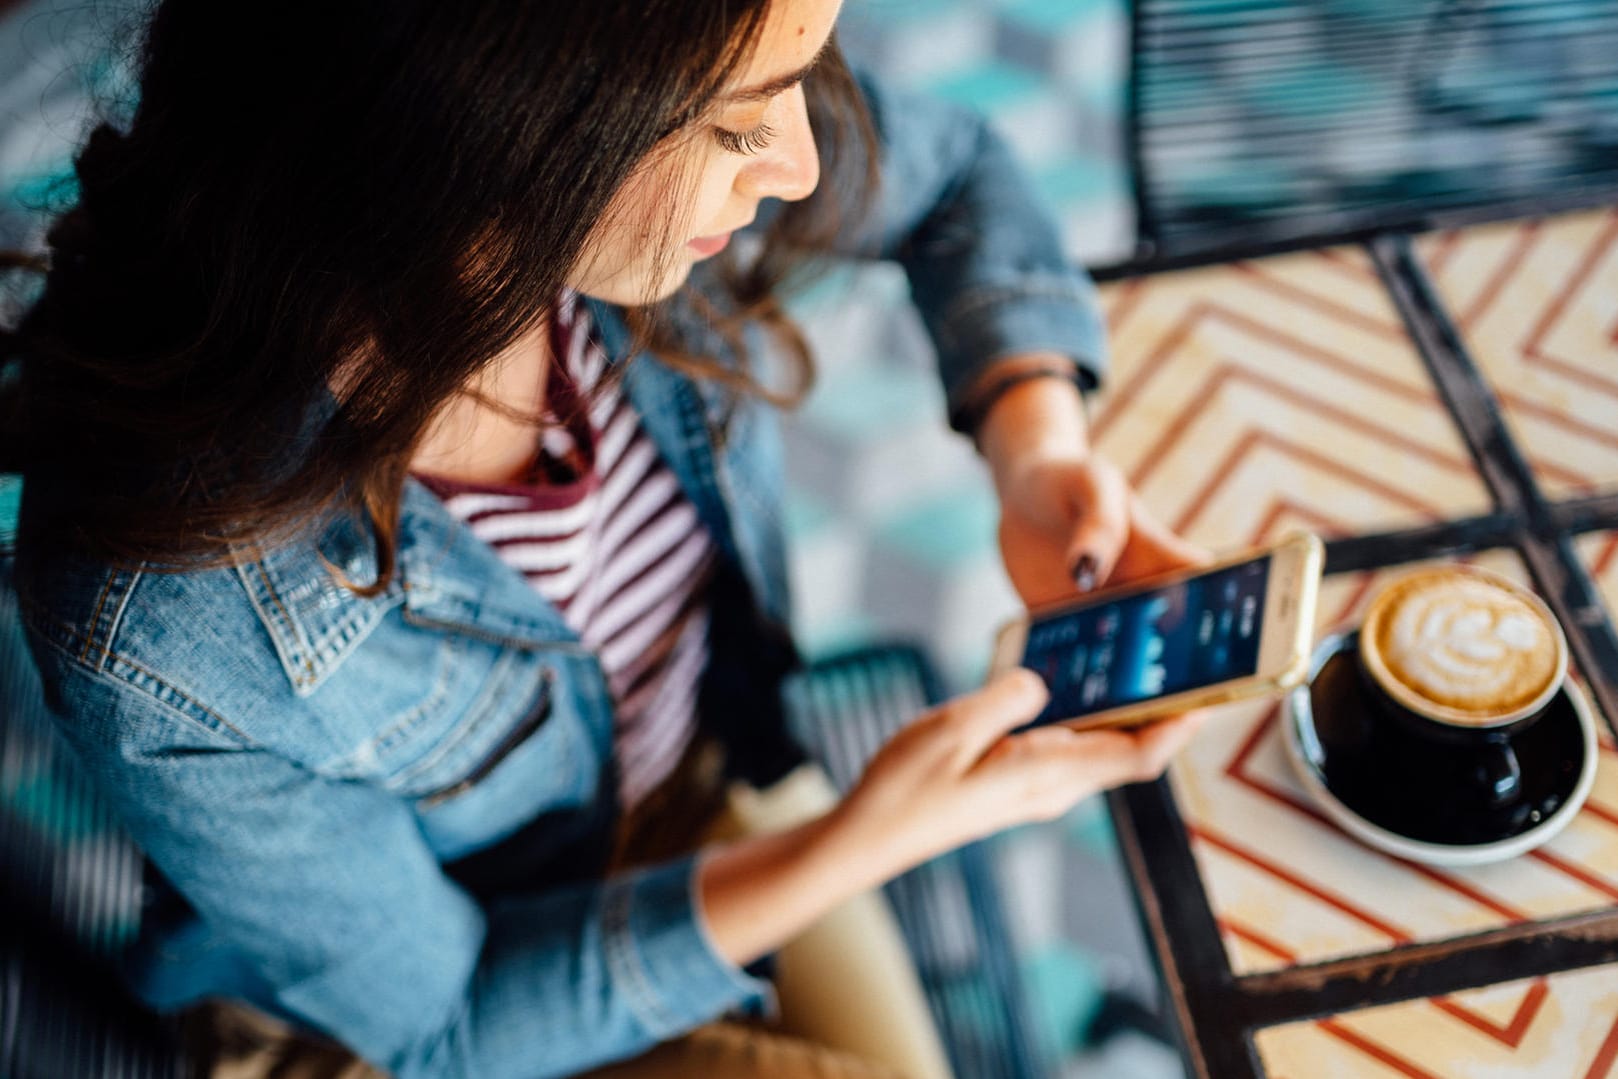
[745,142]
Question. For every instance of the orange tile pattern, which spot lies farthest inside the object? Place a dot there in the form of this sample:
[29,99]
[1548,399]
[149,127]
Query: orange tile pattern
[1599,553]
[1564,1026]
[1537,304]
[1287,886]
[1281,391]
[1250,398]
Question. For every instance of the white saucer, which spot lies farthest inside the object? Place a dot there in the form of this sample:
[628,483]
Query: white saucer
[1297,724]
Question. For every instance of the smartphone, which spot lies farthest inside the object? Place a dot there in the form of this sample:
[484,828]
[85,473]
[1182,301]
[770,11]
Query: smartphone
[1238,628]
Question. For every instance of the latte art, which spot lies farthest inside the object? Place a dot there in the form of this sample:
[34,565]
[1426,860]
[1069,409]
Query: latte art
[1463,646]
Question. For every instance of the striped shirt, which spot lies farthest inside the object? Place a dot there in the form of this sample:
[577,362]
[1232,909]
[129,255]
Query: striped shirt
[604,532]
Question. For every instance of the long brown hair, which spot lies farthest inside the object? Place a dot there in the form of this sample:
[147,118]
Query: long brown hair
[297,213]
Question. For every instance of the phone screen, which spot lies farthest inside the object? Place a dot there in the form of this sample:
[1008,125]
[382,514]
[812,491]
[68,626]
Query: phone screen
[1194,633]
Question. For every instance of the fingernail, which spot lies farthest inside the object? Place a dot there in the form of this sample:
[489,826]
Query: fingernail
[1084,573]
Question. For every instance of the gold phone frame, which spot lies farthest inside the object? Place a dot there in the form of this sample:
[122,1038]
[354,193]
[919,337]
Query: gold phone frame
[1291,593]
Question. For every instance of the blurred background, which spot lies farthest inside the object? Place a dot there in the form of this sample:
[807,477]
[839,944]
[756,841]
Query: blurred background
[1163,133]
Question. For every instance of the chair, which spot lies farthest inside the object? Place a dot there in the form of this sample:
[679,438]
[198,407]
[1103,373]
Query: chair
[843,709]
[1262,124]
[70,892]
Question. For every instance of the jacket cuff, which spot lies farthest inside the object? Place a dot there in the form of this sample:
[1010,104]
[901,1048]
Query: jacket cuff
[991,323]
[659,953]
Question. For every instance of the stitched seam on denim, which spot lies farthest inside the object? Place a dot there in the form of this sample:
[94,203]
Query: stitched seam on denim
[291,655]
[335,644]
[532,725]
[478,633]
[95,619]
[65,639]
[292,626]
[483,713]
[173,706]
[180,698]
[623,959]
[115,619]
[453,648]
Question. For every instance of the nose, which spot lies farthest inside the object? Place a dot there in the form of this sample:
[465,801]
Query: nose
[789,169]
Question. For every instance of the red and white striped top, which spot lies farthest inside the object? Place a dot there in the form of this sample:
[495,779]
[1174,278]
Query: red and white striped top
[605,533]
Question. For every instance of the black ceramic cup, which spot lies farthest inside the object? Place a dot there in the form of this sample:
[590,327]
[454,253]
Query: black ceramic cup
[1470,628]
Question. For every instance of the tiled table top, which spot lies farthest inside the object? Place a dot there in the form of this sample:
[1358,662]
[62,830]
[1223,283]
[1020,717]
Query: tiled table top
[1599,553]
[1259,396]
[1537,305]
[1274,392]
[1288,887]
[1561,1027]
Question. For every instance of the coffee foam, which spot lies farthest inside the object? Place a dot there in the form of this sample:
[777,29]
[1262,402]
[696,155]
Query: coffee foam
[1462,642]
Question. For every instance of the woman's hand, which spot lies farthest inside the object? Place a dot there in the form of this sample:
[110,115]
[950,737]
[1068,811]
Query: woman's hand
[1068,526]
[952,776]
[1069,521]
[957,774]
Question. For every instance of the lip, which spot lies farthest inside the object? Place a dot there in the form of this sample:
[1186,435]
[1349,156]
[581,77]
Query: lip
[709,245]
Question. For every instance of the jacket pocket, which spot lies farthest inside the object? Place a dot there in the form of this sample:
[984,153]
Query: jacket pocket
[508,743]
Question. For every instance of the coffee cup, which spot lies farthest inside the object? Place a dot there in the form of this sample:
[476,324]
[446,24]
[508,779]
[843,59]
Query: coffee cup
[1465,658]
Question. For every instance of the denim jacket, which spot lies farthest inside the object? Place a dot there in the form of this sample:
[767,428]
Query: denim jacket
[383,818]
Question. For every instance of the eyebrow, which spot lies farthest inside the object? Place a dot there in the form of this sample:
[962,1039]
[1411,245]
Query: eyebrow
[765,91]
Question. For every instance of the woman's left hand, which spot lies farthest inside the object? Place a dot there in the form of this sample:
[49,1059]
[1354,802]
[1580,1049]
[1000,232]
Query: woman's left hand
[1069,520]
[1068,526]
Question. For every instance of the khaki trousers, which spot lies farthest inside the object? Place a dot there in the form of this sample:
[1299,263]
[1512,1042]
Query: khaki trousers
[851,1005]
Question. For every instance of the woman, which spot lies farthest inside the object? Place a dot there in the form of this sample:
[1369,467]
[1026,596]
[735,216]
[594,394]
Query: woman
[350,366]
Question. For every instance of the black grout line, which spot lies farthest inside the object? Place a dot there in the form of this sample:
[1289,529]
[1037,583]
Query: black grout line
[1173,906]
[1444,539]
[1469,398]
[1590,630]
[1596,513]
[1576,942]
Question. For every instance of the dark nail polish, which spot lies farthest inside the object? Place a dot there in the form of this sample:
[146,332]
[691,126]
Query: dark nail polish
[1084,573]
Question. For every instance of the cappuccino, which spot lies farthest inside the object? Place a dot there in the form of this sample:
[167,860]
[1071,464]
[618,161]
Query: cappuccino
[1463,646]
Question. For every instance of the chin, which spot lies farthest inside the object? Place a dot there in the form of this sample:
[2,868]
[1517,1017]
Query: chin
[637,290]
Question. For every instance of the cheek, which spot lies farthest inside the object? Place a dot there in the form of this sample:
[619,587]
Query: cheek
[650,213]
[648,222]
[712,193]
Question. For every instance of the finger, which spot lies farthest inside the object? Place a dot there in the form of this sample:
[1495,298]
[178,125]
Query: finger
[978,720]
[1161,537]
[1152,548]
[1160,742]
[1042,773]
[1101,525]
[1108,757]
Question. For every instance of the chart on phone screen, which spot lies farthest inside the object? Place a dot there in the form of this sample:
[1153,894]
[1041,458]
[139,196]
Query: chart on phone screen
[1193,633]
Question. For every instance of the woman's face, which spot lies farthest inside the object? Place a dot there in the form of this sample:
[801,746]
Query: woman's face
[682,204]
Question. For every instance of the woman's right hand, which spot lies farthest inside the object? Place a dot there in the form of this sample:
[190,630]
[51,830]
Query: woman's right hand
[957,774]
[954,775]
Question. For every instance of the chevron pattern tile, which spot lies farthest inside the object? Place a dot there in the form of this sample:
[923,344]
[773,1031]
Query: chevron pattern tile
[1288,887]
[1599,553]
[1283,391]
[1537,305]
[1564,1026]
